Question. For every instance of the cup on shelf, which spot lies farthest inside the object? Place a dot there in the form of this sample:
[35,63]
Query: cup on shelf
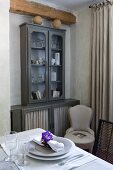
[56,93]
[39,94]
[37,62]
[53,61]
[53,45]
[40,78]
[57,58]
[40,43]
[40,60]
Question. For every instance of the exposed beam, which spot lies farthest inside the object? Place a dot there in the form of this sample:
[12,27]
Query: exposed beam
[31,8]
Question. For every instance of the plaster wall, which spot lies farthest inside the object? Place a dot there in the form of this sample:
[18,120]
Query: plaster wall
[4,67]
[80,57]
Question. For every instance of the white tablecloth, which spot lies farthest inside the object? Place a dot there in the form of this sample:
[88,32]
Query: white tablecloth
[97,164]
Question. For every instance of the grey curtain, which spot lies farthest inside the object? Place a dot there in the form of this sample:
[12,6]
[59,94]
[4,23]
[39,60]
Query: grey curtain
[101,63]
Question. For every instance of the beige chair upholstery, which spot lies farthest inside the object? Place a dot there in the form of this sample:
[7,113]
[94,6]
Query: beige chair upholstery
[80,132]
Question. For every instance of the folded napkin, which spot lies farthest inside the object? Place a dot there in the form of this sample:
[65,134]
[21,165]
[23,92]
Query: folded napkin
[55,145]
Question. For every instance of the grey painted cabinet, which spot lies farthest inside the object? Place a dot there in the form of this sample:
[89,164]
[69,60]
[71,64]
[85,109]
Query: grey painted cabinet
[51,116]
[42,64]
[42,81]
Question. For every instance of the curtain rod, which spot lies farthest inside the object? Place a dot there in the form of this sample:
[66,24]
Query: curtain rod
[96,5]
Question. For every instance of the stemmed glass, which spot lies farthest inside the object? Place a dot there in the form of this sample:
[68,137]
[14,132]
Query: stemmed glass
[10,144]
[23,146]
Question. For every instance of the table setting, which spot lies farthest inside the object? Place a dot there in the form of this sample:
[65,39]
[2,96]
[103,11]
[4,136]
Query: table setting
[39,149]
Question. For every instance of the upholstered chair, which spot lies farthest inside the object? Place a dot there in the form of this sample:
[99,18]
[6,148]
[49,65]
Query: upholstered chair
[80,132]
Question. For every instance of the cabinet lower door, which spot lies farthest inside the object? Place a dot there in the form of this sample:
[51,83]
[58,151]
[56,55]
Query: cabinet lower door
[61,120]
[36,119]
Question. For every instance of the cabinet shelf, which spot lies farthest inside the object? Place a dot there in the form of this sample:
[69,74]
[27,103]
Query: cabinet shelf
[43,98]
[38,82]
[56,81]
[38,48]
[55,65]
[38,65]
[56,49]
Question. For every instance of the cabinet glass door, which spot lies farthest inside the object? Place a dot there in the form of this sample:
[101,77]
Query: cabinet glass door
[38,66]
[56,66]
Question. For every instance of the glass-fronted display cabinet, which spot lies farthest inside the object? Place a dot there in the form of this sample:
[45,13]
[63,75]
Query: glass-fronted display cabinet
[38,65]
[42,64]
[56,65]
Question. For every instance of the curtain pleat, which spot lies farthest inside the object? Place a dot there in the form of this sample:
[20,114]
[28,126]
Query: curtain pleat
[101,65]
[105,65]
[101,60]
[97,61]
[111,63]
[93,65]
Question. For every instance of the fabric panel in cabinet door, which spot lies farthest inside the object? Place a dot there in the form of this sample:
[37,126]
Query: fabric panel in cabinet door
[36,119]
[61,120]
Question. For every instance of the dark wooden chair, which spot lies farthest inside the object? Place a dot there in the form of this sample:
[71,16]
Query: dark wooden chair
[103,147]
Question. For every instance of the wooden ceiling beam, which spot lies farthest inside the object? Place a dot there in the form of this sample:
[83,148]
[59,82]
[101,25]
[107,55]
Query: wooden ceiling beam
[33,9]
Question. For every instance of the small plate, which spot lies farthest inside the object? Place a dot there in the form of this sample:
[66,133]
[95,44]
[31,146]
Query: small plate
[42,151]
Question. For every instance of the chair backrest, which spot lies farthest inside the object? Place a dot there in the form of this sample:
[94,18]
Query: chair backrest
[80,117]
[103,146]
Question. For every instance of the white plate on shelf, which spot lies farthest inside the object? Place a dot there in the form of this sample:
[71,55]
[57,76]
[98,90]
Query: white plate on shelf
[41,151]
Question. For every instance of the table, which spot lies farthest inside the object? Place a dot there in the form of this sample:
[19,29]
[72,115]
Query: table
[97,164]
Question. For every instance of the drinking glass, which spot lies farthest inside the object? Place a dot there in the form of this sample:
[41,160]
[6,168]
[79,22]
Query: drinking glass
[10,144]
[23,146]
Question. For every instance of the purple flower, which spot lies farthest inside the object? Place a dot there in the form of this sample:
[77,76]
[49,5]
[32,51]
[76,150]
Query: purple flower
[47,136]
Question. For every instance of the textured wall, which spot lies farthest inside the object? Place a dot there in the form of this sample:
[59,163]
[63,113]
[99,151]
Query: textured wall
[80,57]
[15,68]
[4,67]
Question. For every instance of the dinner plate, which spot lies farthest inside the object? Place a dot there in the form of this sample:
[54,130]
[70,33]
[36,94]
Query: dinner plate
[54,157]
[47,154]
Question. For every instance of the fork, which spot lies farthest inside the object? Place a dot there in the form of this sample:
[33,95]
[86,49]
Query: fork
[70,159]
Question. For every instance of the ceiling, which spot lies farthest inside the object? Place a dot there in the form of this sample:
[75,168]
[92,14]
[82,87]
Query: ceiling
[71,4]
[68,4]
